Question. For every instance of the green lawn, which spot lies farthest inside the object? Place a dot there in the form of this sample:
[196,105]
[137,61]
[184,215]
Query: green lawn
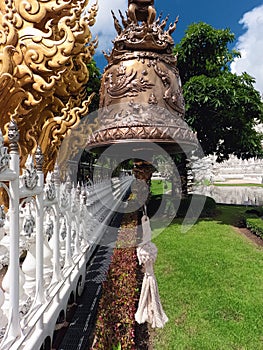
[211,285]
[158,187]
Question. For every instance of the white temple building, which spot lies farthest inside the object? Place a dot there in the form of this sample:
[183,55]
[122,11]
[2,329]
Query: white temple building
[231,171]
[242,174]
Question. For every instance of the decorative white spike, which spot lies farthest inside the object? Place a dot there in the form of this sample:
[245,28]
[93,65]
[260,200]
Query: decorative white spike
[29,162]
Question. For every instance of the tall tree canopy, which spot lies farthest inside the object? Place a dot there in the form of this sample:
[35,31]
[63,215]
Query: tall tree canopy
[222,107]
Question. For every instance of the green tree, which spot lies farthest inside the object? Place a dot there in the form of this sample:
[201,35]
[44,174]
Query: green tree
[222,107]
[93,85]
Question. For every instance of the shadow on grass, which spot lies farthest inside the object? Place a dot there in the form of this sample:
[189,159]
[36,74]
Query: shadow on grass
[158,211]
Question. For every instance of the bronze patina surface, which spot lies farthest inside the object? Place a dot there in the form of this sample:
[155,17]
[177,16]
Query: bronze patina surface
[141,97]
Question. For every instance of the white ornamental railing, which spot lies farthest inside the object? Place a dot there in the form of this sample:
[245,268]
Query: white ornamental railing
[47,235]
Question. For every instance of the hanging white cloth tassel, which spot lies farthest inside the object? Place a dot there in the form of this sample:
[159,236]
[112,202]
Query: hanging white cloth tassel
[149,308]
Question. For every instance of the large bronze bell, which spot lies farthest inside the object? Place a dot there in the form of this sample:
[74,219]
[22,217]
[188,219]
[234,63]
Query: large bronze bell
[141,100]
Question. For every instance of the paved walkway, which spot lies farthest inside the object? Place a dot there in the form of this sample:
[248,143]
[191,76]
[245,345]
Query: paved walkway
[77,336]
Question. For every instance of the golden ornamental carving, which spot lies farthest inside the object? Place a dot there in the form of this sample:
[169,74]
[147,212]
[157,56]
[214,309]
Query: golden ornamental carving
[45,46]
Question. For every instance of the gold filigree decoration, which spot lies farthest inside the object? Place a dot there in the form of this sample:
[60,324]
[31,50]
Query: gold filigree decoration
[45,46]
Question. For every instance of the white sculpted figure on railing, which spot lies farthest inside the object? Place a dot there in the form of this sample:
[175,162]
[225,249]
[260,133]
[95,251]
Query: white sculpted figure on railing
[50,188]
[4,156]
[29,178]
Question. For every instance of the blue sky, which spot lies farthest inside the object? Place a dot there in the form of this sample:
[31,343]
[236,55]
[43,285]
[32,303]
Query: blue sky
[243,17]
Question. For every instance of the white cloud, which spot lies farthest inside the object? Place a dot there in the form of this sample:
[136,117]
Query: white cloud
[104,27]
[250,45]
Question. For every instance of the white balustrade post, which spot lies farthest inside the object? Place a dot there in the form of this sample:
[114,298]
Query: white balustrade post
[56,250]
[84,219]
[40,297]
[56,276]
[77,211]
[56,176]
[68,256]
[62,241]
[14,328]
[29,270]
